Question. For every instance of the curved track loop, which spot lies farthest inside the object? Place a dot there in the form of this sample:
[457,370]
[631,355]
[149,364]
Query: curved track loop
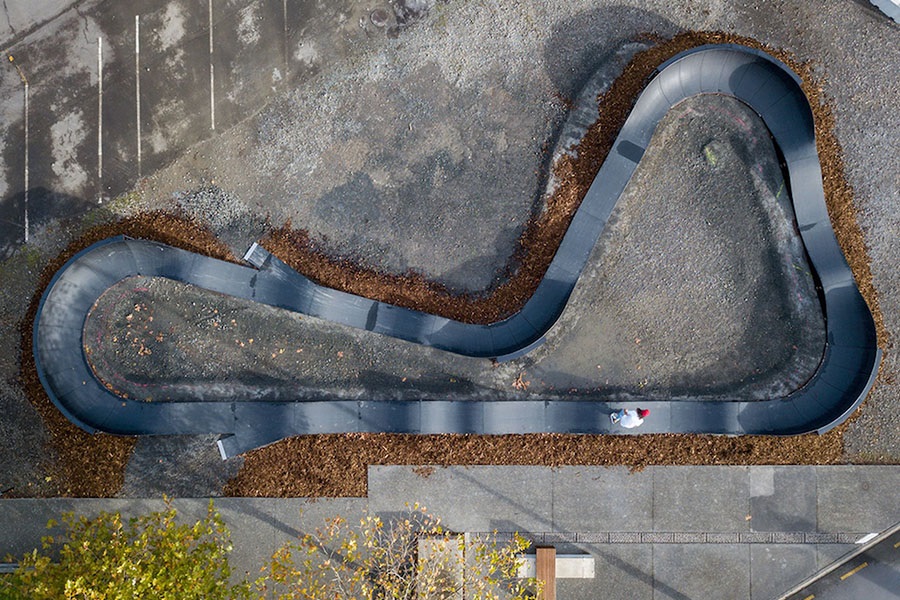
[840,383]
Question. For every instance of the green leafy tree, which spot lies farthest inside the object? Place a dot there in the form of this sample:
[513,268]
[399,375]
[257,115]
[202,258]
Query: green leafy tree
[109,558]
[411,557]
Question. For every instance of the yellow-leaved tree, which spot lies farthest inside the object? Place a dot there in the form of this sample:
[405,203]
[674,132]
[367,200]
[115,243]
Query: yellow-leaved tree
[110,558]
[406,557]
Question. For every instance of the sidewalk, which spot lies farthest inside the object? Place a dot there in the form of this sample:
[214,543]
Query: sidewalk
[665,532]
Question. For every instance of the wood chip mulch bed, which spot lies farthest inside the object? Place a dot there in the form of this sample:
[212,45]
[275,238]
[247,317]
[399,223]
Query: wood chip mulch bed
[335,465]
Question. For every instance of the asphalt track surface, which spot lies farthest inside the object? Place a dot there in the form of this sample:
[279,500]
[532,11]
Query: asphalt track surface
[841,382]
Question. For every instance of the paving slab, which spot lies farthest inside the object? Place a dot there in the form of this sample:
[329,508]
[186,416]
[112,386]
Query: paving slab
[775,568]
[783,498]
[25,520]
[687,571]
[260,526]
[251,536]
[700,499]
[829,553]
[468,498]
[621,572]
[857,499]
[602,499]
[252,531]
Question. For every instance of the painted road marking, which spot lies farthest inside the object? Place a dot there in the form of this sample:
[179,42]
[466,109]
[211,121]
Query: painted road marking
[137,84]
[897,545]
[26,157]
[25,84]
[212,74]
[810,597]
[854,571]
[284,22]
[866,538]
[100,120]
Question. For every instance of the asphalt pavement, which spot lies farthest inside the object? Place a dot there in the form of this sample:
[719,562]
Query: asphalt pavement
[870,572]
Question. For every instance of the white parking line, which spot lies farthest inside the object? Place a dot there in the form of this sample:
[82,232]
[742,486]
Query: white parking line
[26,156]
[285,40]
[100,120]
[25,85]
[137,84]
[212,77]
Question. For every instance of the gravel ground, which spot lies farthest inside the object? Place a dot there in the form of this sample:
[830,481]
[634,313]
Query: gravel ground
[856,54]
[407,142]
[699,290]
[402,126]
[699,287]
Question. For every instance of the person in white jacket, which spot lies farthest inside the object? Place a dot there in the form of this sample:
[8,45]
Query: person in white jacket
[629,418]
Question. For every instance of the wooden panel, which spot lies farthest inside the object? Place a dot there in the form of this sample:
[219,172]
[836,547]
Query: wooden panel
[546,572]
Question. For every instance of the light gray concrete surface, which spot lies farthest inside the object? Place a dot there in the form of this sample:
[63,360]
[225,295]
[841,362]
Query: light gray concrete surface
[645,554]
[626,572]
[668,532]
[701,499]
[773,569]
[739,501]
[841,491]
[259,527]
[783,498]
[468,499]
[693,571]
[618,499]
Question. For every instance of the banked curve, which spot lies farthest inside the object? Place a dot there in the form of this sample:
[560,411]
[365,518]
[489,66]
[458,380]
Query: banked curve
[840,383]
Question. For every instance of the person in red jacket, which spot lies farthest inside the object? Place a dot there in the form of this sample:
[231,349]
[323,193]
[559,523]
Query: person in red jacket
[629,418]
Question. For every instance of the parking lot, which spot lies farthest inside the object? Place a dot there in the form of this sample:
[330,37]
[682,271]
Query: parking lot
[115,90]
